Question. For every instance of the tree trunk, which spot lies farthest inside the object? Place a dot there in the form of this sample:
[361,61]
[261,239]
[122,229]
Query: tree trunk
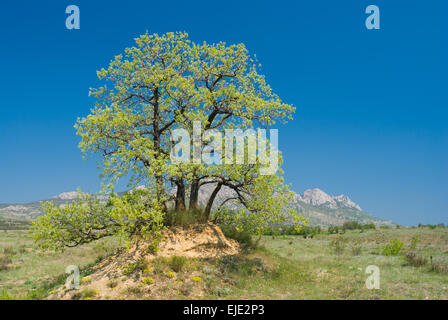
[180,196]
[155,123]
[194,195]
[208,208]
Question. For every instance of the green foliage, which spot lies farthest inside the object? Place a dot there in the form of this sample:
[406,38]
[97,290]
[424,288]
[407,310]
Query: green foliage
[5,296]
[112,284]
[439,265]
[414,242]
[337,244]
[415,259]
[305,230]
[185,218]
[132,267]
[163,83]
[333,230]
[243,237]
[393,248]
[133,215]
[354,225]
[178,263]
[356,248]
[431,226]
[88,293]
[148,281]
[221,292]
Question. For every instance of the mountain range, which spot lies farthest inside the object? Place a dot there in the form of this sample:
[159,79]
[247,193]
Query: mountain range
[319,207]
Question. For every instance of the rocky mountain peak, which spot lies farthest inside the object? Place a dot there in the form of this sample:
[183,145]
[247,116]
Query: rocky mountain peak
[72,195]
[317,197]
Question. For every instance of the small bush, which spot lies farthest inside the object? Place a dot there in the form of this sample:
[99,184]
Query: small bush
[86,280]
[414,242]
[393,248]
[4,262]
[356,248]
[185,218]
[333,230]
[244,238]
[5,296]
[137,291]
[338,245]
[130,268]
[9,251]
[186,289]
[221,291]
[160,265]
[88,294]
[207,270]
[178,263]
[112,284]
[439,266]
[414,259]
[148,281]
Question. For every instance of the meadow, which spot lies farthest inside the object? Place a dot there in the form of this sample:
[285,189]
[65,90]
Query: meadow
[413,264]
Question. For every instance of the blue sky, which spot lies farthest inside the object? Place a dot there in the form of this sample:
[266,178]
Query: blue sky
[371,119]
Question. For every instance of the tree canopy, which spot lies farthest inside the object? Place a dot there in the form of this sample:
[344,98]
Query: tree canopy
[162,84]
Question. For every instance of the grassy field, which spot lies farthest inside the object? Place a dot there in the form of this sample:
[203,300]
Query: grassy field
[281,267]
[26,272]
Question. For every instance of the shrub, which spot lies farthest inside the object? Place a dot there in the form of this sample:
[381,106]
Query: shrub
[4,262]
[356,248]
[439,266]
[351,225]
[5,296]
[88,294]
[414,242]
[112,284]
[186,289]
[196,279]
[244,238]
[338,245]
[185,218]
[333,229]
[207,270]
[134,215]
[415,259]
[139,265]
[86,280]
[137,291]
[178,263]
[147,281]
[9,251]
[221,291]
[160,264]
[393,248]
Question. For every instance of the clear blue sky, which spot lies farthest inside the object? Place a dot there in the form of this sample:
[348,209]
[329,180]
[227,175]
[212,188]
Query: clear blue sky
[371,118]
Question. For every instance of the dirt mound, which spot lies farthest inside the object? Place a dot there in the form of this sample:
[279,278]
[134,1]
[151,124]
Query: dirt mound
[138,274]
[199,241]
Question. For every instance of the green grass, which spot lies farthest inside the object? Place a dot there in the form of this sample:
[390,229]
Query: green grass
[282,267]
[31,272]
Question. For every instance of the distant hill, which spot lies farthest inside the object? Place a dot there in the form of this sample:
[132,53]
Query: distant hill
[31,210]
[321,209]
